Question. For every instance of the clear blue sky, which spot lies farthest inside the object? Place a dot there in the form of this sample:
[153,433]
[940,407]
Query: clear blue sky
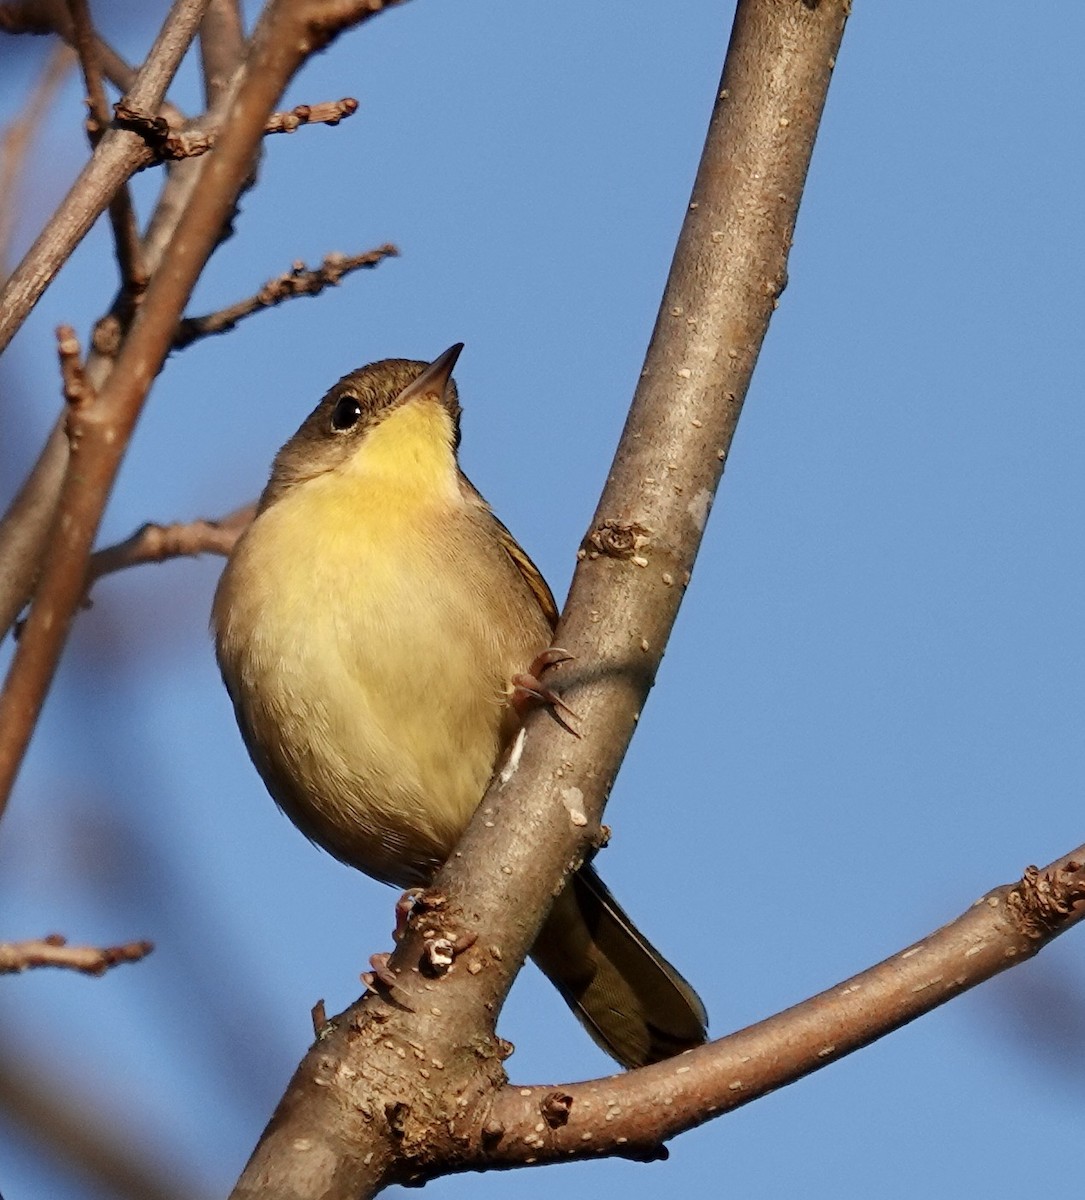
[872,708]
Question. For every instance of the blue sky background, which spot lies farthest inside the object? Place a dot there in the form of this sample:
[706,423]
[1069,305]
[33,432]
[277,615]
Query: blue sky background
[872,707]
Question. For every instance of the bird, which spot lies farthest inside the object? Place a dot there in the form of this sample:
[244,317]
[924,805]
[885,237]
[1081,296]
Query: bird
[369,625]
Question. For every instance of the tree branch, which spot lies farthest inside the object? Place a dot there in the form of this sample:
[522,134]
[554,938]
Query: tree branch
[25,527]
[73,377]
[156,543]
[1006,927]
[52,16]
[298,281]
[198,139]
[54,951]
[86,47]
[289,31]
[122,215]
[118,156]
[222,48]
[341,1130]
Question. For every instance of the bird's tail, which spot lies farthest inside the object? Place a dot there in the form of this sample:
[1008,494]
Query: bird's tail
[628,997]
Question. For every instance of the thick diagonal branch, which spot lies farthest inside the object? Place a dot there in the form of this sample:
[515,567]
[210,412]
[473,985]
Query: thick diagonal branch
[729,268]
[341,1130]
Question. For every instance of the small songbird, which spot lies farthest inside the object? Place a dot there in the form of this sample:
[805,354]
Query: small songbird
[369,626]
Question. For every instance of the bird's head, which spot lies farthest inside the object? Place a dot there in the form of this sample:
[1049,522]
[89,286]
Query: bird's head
[399,417]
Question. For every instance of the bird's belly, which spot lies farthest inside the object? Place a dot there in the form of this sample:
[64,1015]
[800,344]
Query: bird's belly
[388,701]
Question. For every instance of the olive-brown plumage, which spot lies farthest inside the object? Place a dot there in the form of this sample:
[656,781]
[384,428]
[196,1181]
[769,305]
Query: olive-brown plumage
[368,626]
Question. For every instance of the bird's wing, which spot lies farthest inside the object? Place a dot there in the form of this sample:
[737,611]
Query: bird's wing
[531,573]
[532,576]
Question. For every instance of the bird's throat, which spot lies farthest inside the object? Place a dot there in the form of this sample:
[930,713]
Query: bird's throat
[410,453]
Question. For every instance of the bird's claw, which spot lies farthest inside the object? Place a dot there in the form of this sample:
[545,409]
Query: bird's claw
[528,690]
[405,905]
[381,973]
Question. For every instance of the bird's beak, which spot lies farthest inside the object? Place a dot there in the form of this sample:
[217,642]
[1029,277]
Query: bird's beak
[434,379]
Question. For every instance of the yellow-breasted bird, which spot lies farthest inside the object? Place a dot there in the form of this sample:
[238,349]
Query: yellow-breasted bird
[368,625]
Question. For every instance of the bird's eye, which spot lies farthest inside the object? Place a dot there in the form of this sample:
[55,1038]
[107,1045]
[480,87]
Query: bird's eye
[346,414]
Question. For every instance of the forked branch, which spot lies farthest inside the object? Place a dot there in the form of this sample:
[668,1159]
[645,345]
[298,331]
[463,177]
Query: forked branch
[341,1131]
[1002,929]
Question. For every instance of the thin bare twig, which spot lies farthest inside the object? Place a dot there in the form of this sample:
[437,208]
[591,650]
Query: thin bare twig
[122,216]
[152,543]
[76,389]
[16,140]
[53,951]
[85,42]
[175,144]
[298,281]
[328,112]
[156,543]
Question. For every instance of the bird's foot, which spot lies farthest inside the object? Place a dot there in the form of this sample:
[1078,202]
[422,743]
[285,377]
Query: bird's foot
[405,905]
[528,690]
